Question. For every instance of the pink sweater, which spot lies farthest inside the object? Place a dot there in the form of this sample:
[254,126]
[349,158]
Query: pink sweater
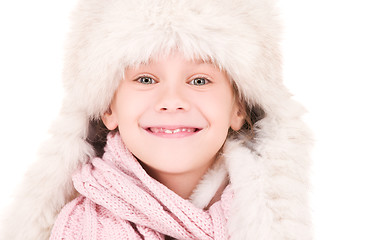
[119,200]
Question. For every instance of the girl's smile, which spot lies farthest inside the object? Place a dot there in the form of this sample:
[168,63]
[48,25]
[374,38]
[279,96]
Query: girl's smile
[172,131]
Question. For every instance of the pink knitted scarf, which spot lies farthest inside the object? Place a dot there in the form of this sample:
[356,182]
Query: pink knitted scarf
[119,200]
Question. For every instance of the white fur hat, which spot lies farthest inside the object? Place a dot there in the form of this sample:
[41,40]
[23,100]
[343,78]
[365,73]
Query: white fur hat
[269,172]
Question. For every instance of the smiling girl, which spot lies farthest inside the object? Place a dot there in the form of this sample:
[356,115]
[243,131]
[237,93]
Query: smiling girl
[175,125]
[174,115]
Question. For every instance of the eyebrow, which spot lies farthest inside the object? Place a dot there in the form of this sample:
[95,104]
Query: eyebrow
[201,61]
[151,61]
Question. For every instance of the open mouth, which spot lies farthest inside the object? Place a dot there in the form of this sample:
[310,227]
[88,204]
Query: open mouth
[173,131]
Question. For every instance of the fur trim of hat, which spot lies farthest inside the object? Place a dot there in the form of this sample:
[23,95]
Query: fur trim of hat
[269,173]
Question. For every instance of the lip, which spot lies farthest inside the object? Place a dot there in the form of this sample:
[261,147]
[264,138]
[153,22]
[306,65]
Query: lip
[178,131]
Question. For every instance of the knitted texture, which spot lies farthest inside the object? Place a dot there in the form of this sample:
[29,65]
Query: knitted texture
[119,200]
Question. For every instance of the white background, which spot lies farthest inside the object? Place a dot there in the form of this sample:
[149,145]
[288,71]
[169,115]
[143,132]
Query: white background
[330,64]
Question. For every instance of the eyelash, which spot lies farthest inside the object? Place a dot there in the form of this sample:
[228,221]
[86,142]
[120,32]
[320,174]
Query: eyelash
[139,79]
[206,81]
[152,81]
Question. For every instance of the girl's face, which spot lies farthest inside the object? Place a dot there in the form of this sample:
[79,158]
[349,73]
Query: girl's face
[174,114]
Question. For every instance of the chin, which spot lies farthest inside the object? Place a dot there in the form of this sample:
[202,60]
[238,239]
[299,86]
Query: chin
[176,165]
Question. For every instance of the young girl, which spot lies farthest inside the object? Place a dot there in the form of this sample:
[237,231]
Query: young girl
[175,125]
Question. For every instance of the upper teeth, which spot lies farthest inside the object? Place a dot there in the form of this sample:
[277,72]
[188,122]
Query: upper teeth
[171,131]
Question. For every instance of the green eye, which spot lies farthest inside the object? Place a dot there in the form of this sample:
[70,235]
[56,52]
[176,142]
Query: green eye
[146,80]
[199,81]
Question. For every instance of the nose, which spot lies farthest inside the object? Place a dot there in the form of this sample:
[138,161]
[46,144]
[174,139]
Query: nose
[172,99]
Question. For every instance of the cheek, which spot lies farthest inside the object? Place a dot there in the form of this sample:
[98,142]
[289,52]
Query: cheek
[217,106]
[127,108]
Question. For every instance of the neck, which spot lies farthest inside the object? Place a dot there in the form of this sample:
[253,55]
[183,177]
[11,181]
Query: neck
[183,184]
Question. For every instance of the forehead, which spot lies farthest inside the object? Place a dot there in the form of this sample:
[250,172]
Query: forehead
[176,61]
[175,56]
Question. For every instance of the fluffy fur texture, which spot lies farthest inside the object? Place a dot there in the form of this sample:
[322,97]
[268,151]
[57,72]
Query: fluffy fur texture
[269,173]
